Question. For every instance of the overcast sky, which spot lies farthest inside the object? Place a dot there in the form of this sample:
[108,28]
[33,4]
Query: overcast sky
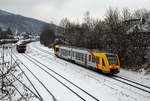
[55,10]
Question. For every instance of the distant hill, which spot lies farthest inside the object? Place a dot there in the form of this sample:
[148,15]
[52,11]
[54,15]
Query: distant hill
[23,24]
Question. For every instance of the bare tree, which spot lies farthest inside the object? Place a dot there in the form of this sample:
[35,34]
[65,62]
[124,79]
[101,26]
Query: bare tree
[47,36]
[126,14]
[110,35]
[140,13]
[12,87]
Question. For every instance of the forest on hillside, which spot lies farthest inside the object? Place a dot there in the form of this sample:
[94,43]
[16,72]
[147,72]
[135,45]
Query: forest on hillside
[110,34]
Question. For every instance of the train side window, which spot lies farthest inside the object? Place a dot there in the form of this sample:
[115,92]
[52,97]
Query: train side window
[76,56]
[97,60]
[89,57]
[81,56]
[103,62]
[62,51]
[69,53]
[93,59]
[65,52]
[72,53]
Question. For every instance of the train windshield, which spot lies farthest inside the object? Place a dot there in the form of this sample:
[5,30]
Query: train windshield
[112,59]
[57,49]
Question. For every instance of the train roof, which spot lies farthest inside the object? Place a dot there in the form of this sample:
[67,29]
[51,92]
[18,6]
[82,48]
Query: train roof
[81,48]
[75,47]
[103,52]
[98,51]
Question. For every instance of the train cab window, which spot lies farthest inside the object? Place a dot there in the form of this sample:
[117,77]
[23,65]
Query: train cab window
[97,60]
[89,57]
[93,58]
[103,62]
[57,49]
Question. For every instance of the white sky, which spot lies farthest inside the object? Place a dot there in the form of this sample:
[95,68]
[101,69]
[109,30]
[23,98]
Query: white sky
[55,10]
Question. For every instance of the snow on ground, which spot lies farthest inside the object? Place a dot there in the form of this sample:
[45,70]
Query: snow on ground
[100,86]
[138,77]
[15,71]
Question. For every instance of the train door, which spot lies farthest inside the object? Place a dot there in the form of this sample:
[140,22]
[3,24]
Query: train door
[85,59]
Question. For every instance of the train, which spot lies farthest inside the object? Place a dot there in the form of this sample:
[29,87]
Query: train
[93,58]
[21,46]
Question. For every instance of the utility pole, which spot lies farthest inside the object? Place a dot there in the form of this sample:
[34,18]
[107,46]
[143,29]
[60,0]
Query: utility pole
[11,55]
[3,69]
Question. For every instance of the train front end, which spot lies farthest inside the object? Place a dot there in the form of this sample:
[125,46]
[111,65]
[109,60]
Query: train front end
[56,49]
[113,63]
[108,63]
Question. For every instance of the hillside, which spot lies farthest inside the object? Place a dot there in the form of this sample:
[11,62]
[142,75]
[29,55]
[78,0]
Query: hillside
[21,23]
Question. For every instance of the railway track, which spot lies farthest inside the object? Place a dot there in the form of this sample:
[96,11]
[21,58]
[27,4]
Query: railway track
[115,77]
[53,97]
[41,65]
[132,83]
[37,95]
